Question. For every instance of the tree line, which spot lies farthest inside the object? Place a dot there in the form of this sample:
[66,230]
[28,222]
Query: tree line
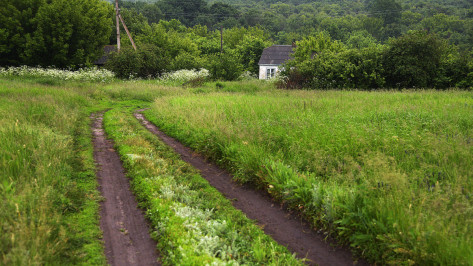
[417,59]
[348,49]
[296,19]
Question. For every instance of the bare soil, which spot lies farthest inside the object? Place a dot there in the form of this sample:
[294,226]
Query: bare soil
[285,227]
[125,229]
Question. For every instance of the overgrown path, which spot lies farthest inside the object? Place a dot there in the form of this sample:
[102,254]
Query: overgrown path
[286,228]
[125,230]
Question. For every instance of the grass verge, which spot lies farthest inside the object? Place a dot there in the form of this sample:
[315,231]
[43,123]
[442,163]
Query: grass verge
[49,210]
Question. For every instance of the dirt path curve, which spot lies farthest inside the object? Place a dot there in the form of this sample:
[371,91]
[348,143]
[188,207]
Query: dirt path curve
[286,228]
[125,230]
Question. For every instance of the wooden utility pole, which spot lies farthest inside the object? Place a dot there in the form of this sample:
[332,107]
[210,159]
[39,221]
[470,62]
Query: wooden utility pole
[127,32]
[117,12]
[221,40]
[120,18]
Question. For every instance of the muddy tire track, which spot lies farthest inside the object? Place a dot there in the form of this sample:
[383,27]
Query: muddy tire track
[125,229]
[283,226]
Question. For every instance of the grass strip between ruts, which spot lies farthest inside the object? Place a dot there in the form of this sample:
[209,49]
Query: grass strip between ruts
[192,222]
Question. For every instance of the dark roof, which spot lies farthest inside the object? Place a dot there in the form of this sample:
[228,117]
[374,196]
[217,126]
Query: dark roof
[276,55]
[107,49]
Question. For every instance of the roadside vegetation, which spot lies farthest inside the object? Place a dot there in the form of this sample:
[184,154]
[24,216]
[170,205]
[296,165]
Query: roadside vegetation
[49,210]
[52,75]
[192,222]
[388,172]
[48,185]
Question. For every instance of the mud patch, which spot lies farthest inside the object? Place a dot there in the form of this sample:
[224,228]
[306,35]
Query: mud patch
[283,226]
[125,230]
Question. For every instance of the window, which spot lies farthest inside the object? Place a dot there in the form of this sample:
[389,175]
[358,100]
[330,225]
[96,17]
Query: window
[270,72]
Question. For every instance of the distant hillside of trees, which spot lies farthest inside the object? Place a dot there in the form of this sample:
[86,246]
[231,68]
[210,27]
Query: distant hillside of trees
[342,19]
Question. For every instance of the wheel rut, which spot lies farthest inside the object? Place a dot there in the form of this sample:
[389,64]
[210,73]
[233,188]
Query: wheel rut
[283,226]
[125,229]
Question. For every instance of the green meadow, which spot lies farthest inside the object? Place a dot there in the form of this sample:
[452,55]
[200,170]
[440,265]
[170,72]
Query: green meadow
[48,190]
[387,173]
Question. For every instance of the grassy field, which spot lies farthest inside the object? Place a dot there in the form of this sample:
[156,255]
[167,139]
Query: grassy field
[389,173]
[48,186]
[48,191]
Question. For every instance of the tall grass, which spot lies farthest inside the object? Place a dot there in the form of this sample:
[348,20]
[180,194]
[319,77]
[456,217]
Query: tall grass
[49,204]
[388,173]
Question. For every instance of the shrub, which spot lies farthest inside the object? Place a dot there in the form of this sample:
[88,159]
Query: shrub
[247,75]
[224,67]
[147,62]
[352,68]
[415,60]
[186,61]
[53,75]
[185,75]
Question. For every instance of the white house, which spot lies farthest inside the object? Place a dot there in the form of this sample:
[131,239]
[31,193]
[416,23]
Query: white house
[272,59]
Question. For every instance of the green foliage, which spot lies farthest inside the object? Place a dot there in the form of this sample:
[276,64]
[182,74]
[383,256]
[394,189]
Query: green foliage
[387,10]
[414,60]
[249,51]
[225,66]
[147,62]
[311,46]
[185,11]
[193,223]
[150,11]
[321,63]
[59,32]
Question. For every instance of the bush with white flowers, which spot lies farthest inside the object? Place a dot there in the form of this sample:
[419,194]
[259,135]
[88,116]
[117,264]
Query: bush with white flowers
[83,74]
[185,75]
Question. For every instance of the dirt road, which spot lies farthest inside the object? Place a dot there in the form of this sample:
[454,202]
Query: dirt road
[125,230]
[284,227]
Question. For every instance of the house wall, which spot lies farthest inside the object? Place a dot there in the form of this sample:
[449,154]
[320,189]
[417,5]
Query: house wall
[263,69]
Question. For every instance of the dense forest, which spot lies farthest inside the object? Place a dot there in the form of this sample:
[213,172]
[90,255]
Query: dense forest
[343,19]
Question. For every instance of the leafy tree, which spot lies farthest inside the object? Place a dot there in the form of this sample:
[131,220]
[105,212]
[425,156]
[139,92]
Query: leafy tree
[184,10]
[283,9]
[55,32]
[387,10]
[220,12]
[151,11]
[225,66]
[249,51]
[15,24]
[373,25]
[414,60]
[451,28]
[313,45]
[361,39]
[147,62]
[252,17]
[185,60]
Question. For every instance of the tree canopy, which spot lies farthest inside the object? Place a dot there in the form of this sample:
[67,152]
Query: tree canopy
[54,32]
